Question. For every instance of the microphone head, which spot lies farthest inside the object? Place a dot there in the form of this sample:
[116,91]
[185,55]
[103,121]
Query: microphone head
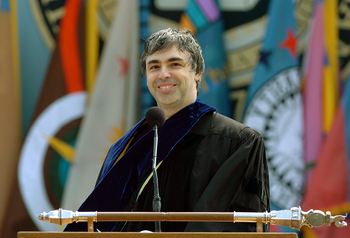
[155,116]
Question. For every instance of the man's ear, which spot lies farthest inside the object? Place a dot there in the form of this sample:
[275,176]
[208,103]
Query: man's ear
[197,76]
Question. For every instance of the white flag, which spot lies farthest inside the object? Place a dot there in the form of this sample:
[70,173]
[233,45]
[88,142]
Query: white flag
[113,106]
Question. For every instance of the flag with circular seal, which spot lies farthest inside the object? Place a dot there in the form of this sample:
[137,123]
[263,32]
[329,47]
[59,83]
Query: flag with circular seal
[49,145]
[274,106]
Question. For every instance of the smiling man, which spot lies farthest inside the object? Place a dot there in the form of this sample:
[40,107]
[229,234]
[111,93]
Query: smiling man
[171,79]
[207,162]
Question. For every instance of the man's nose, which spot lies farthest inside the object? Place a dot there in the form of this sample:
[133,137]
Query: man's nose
[164,73]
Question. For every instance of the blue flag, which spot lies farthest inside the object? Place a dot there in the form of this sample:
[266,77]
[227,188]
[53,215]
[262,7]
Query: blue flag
[274,106]
[205,20]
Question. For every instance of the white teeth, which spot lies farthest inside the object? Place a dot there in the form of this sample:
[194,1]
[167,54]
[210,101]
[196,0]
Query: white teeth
[165,87]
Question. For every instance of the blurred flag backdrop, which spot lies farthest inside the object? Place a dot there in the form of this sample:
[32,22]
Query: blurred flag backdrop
[10,126]
[274,106]
[71,85]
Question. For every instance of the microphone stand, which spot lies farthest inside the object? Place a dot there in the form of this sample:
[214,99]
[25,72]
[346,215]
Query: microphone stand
[156,198]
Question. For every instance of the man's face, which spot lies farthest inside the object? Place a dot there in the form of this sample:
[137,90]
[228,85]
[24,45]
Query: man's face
[170,79]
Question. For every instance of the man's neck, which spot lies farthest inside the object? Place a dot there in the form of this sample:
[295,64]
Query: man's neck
[170,111]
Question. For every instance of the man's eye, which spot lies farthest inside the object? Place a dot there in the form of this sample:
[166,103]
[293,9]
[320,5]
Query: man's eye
[153,67]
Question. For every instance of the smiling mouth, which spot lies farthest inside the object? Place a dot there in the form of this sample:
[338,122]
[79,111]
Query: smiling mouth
[166,87]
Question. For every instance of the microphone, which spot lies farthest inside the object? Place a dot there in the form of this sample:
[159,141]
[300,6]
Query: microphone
[155,117]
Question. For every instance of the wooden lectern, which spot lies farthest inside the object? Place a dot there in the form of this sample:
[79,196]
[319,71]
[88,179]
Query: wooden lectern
[154,235]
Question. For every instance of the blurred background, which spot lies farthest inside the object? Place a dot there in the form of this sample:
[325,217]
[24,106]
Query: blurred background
[71,85]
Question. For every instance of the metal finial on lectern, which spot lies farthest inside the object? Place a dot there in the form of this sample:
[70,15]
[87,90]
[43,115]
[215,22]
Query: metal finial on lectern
[318,218]
[62,217]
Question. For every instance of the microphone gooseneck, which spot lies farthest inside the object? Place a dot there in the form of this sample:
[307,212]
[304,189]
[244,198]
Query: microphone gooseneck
[155,117]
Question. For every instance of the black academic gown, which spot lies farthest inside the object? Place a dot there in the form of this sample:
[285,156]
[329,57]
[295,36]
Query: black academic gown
[209,163]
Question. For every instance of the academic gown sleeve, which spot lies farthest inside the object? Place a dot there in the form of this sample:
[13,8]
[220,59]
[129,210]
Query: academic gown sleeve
[229,174]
